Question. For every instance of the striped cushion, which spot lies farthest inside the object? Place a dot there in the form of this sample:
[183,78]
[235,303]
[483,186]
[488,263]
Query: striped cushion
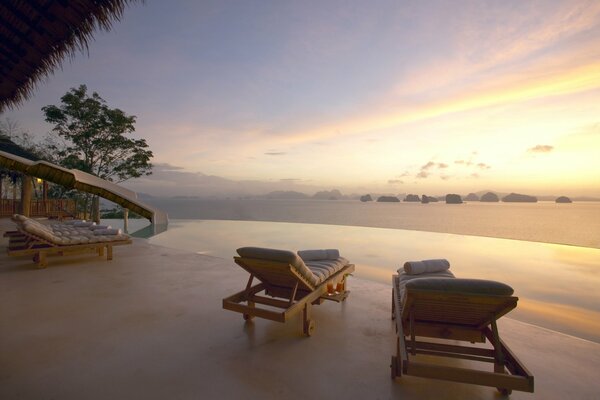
[323,269]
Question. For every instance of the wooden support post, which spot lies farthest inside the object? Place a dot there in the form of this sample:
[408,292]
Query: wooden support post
[26,190]
[109,252]
[126,220]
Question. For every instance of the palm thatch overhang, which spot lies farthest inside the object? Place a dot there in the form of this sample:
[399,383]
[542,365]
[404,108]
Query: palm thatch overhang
[36,35]
[82,181]
[9,146]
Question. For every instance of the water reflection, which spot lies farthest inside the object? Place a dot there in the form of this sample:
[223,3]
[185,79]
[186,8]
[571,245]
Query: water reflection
[557,284]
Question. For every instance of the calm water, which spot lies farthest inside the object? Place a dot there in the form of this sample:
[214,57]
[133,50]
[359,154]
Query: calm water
[557,284]
[576,224]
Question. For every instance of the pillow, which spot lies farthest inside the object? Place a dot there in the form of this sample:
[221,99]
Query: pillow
[107,231]
[315,255]
[425,266]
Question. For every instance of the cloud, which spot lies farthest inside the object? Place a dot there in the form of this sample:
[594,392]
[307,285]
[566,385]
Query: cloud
[541,148]
[474,175]
[166,167]
[483,166]
[424,170]
[275,153]
[445,177]
[168,180]
[427,166]
[467,163]
[395,181]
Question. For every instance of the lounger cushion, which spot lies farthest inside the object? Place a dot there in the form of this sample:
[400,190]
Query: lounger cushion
[283,256]
[404,278]
[65,237]
[323,269]
[466,286]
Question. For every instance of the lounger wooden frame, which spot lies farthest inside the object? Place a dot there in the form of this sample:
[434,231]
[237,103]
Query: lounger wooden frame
[281,281]
[27,244]
[455,316]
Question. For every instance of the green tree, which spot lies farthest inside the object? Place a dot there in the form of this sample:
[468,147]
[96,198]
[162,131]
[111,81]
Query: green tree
[94,139]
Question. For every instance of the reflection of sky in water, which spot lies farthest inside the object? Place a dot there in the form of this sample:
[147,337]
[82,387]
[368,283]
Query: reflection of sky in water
[558,285]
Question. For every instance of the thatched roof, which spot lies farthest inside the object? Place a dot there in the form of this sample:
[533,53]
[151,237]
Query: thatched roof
[35,36]
[9,146]
[84,182]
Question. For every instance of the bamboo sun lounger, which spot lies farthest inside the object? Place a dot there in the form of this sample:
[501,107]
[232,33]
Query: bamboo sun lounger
[38,240]
[293,283]
[439,306]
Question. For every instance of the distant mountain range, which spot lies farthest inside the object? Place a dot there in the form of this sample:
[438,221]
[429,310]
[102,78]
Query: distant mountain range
[335,194]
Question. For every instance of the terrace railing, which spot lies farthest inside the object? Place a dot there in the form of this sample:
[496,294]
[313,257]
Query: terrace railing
[51,208]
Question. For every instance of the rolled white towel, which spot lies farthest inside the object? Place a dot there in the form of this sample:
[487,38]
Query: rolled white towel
[73,221]
[84,224]
[314,255]
[96,227]
[107,231]
[425,266]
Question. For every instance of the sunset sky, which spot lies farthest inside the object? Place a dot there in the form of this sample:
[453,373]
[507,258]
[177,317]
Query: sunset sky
[392,97]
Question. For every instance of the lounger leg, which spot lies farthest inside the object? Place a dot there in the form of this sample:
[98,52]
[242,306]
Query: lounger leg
[308,325]
[396,361]
[43,262]
[101,251]
[109,252]
[249,317]
[393,306]
[499,360]
[413,340]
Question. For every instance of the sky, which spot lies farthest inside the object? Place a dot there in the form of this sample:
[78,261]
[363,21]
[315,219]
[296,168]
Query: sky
[434,97]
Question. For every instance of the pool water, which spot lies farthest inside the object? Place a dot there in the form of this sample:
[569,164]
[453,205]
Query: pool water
[557,285]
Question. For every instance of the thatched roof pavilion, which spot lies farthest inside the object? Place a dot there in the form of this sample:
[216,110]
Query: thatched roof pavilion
[8,146]
[36,35]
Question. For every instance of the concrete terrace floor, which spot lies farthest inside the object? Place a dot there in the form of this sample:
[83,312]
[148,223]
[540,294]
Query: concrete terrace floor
[149,325]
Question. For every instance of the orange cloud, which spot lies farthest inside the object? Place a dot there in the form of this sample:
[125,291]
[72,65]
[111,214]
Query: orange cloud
[506,91]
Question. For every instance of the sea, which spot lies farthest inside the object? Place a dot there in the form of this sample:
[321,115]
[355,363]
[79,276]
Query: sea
[575,224]
[549,253]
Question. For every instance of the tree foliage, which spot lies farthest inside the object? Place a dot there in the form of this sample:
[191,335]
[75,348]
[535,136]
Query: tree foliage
[94,137]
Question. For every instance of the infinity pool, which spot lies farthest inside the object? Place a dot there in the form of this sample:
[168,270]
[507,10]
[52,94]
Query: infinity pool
[558,285]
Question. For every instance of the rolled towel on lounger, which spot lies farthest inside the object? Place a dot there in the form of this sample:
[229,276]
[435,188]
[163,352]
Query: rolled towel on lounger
[425,266]
[107,231]
[96,227]
[84,224]
[73,221]
[315,255]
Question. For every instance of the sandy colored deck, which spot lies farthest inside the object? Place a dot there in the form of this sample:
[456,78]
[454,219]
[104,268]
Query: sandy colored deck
[149,325]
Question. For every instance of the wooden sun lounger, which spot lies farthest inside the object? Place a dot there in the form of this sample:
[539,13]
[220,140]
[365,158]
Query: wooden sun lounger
[286,288]
[28,244]
[454,316]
